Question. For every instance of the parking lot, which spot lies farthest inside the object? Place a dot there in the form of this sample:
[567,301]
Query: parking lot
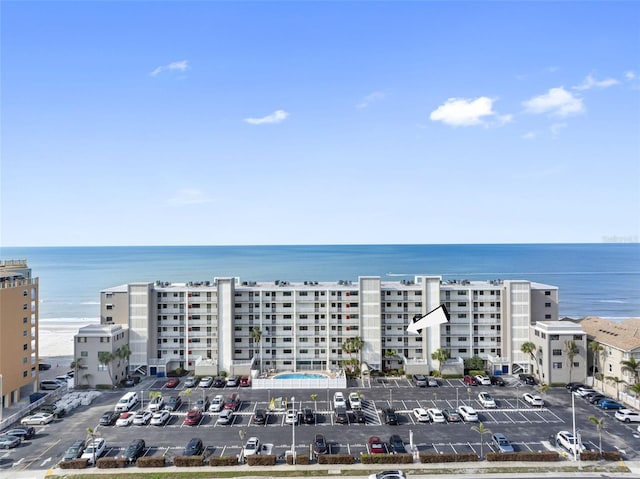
[528,428]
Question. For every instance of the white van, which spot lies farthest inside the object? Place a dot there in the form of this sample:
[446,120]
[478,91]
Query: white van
[127,402]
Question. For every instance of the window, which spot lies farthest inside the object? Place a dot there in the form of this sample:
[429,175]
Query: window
[547,305]
[576,364]
[84,354]
[24,333]
[557,366]
[25,347]
[577,337]
[554,337]
[462,304]
[557,352]
[547,293]
[109,306]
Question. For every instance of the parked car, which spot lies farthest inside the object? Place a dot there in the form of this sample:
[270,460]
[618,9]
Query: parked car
[206,382]
[232,402]
[319,445]
[245,382]
[435,415]
[172,383]
[587,397]
[24,433]
[9,442]
[501,443]
[341,416]
[354,401]
[338,400]
[260,416]
[125,419]
[308,416]
[570,386]
[225,417]
[95,449]
[567,440]
[421,414]
[584,390]
[232,382]
[497,380]
[486,400]
[470,381]
[191,382]
[451,416]
[202,403]
[291,417]
[627,415]
[217,404]
[219,382]
[142,418]
[483,380]
[596,398]
[109,418]
[173,404]
[468,414]
[44,366]
[533,399]
[360,416]
[397,444]
[54,409]
[134,450]
[194,447]
[252,446]
[609,404]
[193,417]
[390,416]
[420,381]
[160,418]
[432,382]
[527,379]
[156,403]
[376,446]
[396,474]
[39,418]
[74,451]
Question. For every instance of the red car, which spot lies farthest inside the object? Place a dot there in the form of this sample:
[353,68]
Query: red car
[172,382]
[376,446]
[470,381]
[245,381]
[193,417]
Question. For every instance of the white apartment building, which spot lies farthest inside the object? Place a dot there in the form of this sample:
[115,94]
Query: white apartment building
[303,325]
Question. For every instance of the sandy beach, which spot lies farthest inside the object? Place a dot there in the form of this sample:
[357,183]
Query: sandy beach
[56,338]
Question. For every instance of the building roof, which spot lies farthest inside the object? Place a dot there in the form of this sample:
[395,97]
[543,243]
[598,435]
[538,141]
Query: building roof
[559,327]
[622,335]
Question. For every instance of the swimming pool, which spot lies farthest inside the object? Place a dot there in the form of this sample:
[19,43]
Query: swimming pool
[300,376]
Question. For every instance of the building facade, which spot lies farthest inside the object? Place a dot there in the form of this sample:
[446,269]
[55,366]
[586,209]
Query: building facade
[18,331]
[553,361]
[242,325]
[97,354]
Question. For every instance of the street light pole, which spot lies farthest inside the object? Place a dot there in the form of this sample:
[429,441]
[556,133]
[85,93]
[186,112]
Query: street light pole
[1,397]
[293,431]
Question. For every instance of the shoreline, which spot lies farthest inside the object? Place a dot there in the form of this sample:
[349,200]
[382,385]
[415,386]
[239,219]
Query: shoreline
[55,339]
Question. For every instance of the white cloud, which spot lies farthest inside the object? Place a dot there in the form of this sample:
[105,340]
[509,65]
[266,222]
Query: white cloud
[175,66]
[277,116]
[630,75]
[556,102]
[189,196]
[464,112]
[590,82]
[371,98]
[556,128]
[530,135]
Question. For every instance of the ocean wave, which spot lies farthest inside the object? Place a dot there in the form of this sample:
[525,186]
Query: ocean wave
[69,320]
[616,301]
[90,302]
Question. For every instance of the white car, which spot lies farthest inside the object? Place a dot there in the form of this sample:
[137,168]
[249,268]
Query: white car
[225,417]
[435,415]
[160,418]
[432,382]
[483,380]
[627,415]
[486,400]
[252,446]
[567,440]
[98,445]
[156,403]
[232,381]
[217,404]
[206,382]
[582,392]
[142,418]
[468,414]
[125,419]
[354,401]
[388,475]
[338,400]
[421,414]
[292,417]
[40,418]
[533,399]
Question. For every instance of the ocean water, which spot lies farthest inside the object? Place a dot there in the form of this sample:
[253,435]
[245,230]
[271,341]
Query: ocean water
[594,279]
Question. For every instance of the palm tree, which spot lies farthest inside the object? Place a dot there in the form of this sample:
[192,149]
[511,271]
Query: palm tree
[351,346]
[92,435]
[595,348]
[633,366]
[599,423]
[440,355]
[636,389]
[256,337]
[124,352]
[615,380]
[480,429]
[105,358]
[571,350]
[529,348]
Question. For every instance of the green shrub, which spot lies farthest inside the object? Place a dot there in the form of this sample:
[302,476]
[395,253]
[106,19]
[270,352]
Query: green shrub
[74,464]
[434,457]
[543,456]
[336,459]
[261,460]
[611,455]
[301,459]
[188,461]
[452,376]
[151,461]
[223,461]
[589,455]
[111,463]
[386,459]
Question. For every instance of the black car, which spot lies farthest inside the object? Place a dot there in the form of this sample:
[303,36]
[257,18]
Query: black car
[308,417]
[390,416]
[109,418]
[127,383]
[596,398]
[24,432]
[260,416]
[397,444]
[497,380]
[44,366]
[341,415]
[451,416]
[134,450]
[194,447]
[219,382]
[360,416]
[575,386]
[52,409]
[75,450]
[571,384]
[527,379]
[319,445]
[173,404]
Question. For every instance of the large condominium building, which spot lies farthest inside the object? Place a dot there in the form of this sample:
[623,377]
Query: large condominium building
[18,331]
[241,325]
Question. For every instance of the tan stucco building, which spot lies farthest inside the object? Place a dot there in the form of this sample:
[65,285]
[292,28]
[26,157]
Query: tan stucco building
[18,331]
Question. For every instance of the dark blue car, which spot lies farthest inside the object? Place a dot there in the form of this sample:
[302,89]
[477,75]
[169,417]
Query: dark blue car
[609,404]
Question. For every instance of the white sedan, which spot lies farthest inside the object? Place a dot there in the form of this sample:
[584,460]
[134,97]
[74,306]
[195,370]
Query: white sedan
[354,401]
[142,418]
[483,380]
[435,415]
[160,418]
[486,400]
[206,382]
[468,414]
[40,418]
[125,419]
[98,445]
[421,414]
[533,400]
[292,417]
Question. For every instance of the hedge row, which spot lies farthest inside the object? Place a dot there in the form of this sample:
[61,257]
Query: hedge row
[386,458]
[111,463]
[543,456]
[74,464]
[434,457]
[223,461]
[150,461]
[595,455]
[301,459]
[261,460]
[188,461]
[336,459]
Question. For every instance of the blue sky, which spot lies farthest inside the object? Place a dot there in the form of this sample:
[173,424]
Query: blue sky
[158,123]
